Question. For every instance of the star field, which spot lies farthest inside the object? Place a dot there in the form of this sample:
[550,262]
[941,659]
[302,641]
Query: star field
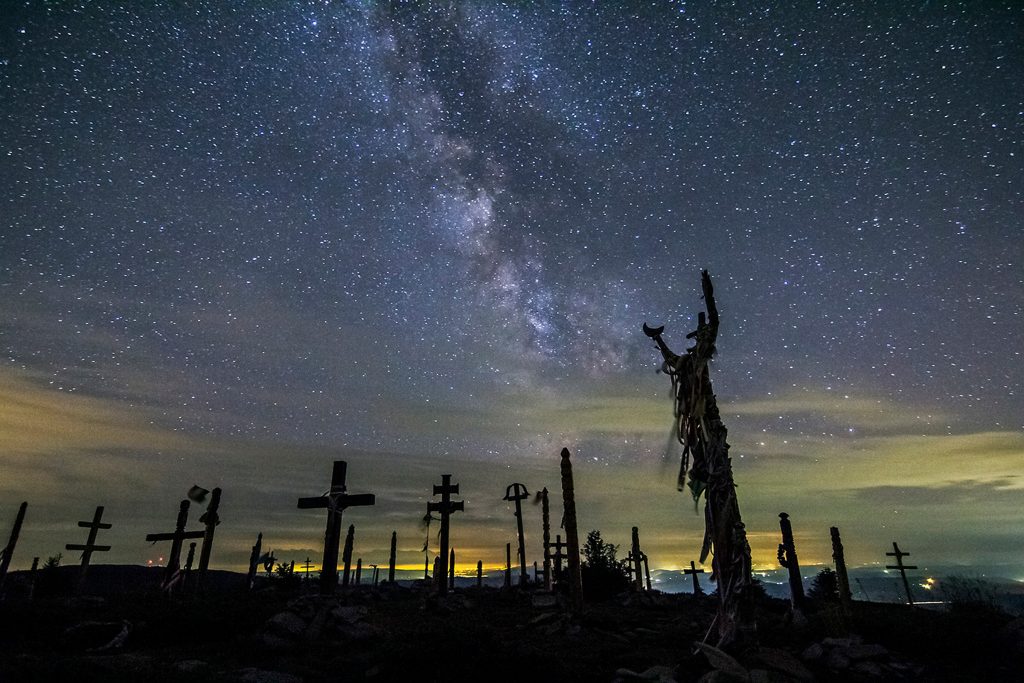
[437,228]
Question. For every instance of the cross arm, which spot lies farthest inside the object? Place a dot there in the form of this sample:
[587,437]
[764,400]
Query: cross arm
[315,502]
[78,546]
[101,525]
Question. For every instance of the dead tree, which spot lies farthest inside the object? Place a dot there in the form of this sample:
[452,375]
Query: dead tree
[707,470]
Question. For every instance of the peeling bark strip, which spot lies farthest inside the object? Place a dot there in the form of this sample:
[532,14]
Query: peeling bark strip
[700,430]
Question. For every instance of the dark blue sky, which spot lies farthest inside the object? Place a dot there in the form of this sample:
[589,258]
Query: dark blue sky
[434,230]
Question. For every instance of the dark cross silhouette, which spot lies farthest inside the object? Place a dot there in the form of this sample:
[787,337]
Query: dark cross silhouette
[517,493]
[335,500]
[899,555]
[89,547]
[307,567]
[697,590]
[445,508]
[175,537]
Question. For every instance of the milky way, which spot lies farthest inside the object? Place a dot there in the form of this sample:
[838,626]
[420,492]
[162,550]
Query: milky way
[438,227]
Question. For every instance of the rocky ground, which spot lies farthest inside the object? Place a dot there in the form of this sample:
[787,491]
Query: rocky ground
[391,633]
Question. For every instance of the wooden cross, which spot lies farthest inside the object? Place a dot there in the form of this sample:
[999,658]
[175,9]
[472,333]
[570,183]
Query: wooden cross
[90,544]
[307,567]
[517,493]
[175,537]
[446,507]
[696,583]
[899,555]
[335,500]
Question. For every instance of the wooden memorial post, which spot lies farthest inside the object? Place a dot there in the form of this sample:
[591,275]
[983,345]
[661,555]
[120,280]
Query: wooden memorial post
[346,554]
[697,590]
[391,558]
[176,537]
[647,571]
[546,518]
[254,561]
[842,578]
[788,559]
[445,508]
[517,493]
[451,569]
[699,428]
[335,500]
[572,536]
[637,557]
[558,557]
[211,519]
[479,573]
[359,570]
[32,575]
[899,555]
[508,565]
[8,552]
[89,547]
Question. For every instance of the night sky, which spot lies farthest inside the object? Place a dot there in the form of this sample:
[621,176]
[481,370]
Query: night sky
[240,240]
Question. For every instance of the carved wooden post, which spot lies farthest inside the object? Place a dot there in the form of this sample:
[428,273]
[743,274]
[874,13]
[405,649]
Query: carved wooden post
[8,552]
[254,561]
[479,574]
[546,516]
[89,547]
[558,557]
[189,559]
[451,569]
[211,519]
[508,565]
[346,554]
[446,507]
[842,578]
[572,536]
[697,590]
[788,559]
[32,575]
[391,559]
[647,571]
[899,555]
[336,501]
[636,557]
[700,430]
[359,570]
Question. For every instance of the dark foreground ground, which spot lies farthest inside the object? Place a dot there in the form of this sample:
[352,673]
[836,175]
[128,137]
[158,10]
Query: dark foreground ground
[277,634]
